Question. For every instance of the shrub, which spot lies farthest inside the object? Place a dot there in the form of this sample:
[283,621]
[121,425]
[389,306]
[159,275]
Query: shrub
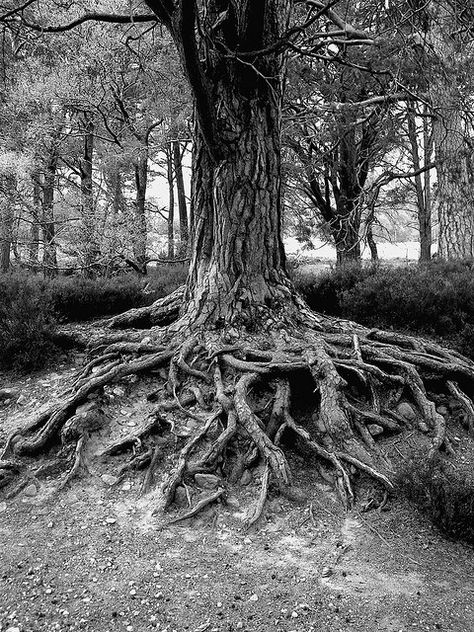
[26,324]
[77,298]
[446,495]
[435,299]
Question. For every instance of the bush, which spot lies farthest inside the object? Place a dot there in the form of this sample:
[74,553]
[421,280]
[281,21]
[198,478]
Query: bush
[26,324]
[435,299]
[446,495]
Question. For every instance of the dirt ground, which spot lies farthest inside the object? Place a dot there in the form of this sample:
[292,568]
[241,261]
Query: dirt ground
[93,557]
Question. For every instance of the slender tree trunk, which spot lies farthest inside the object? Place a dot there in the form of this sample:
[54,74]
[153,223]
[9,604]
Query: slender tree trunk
[140,227]
[50,263]
[423,210]
[6,221]
[182,207]
[170,176]
[91,248]
[33,246]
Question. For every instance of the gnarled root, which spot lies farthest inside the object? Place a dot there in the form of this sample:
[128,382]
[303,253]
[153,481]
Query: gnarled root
[244,411]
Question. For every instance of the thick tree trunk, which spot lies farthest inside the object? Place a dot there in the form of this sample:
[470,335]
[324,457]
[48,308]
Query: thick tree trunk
[170,177]
[91,248]
[50,263]
[182,207]
[455,198]
[237,272]
[238,261]
[140,227]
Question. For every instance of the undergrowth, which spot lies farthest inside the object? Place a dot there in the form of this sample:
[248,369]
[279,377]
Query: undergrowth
[442,492]
[435,299]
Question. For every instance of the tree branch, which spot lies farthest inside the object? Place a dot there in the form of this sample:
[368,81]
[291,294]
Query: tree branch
[110,18]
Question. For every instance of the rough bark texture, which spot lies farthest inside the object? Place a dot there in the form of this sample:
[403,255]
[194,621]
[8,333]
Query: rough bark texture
[238,263]
[455,197]
[182,206]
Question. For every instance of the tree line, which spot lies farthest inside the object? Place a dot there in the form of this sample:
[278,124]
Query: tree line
[374,121]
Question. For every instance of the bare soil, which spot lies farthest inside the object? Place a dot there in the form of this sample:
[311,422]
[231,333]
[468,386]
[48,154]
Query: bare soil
[93,557]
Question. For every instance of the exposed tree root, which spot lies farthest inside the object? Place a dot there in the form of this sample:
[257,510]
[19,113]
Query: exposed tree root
[246,394]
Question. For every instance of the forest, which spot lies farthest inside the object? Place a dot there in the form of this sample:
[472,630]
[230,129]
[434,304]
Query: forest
[237,296]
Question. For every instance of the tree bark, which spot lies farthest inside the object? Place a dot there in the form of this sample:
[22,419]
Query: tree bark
[237,270]
[170,177]
[182,207]
[140,227]
[455,196]
[7,217]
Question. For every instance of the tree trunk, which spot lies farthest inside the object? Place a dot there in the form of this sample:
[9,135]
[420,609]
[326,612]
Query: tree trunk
[170,176]
[421,185]
[238,258]
[33,246]
[182,208]
[91,248]
[50,263]
[7,216]
[454,158]
[345,229]
[140,228]
[237,271]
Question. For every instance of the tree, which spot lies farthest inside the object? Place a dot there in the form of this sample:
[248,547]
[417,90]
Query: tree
[242,332]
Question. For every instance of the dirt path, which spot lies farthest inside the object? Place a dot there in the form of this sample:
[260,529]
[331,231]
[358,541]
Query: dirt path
[94,558]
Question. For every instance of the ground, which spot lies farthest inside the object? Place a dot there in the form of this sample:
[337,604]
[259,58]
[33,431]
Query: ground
[94,557]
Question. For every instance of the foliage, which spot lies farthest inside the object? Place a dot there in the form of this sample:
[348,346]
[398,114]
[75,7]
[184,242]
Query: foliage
[435,299]
[26,324]
[445,494]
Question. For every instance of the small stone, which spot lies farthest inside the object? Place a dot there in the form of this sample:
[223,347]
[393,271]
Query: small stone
[246,478]
[12,629]
[126,487]
[109,479]
[407,411]
[375,429]
[21,400]
[442,410]
[110,520]
[423,427]
[30,490]
[326,572]
[118,391]
[239,625]
[3,506]
[253,597]
[207,481]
